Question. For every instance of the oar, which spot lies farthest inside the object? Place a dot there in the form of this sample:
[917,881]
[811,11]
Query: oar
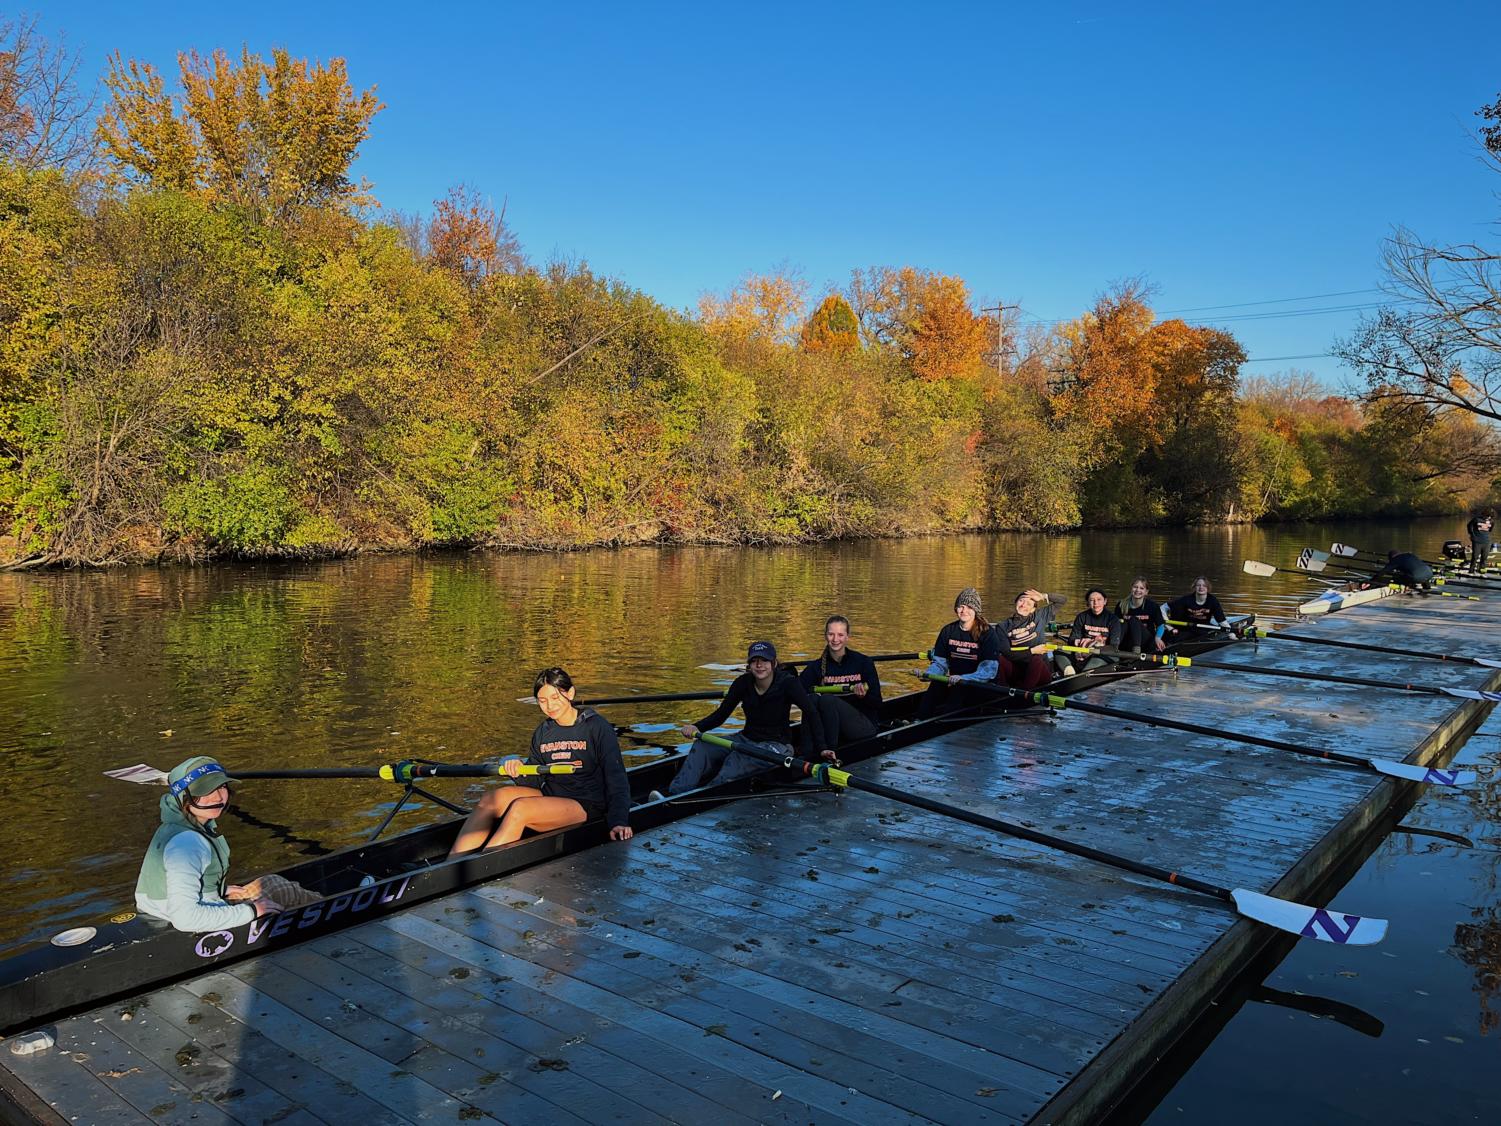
[1335,678]
[1380,766]
[920,655]
[1252,567]
[1452,565]
[1277,635]
[659,698]
[1266,570]
[404,771]
[1294,918]
[1442,576]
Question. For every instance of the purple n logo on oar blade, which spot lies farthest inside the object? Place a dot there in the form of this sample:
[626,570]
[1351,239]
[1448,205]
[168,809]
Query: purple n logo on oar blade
[1332,930]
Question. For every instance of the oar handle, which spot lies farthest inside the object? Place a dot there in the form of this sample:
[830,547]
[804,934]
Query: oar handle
[405,771]
[834,689]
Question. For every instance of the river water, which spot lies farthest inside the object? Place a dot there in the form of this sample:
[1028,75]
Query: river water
[373,659]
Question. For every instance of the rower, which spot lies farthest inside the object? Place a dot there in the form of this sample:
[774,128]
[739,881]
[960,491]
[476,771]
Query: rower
[1142,625]
[846,719]
[967,649]
[598,786]
[1479,529]
[184,876]
[1403,568]
[1199,607]
[766,694]
[1023,661]
[1095,627]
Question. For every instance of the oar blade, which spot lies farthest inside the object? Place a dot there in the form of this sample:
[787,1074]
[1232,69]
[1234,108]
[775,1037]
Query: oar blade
[1429,774]
[1343,549]
[1322,923]
[1472,694]
[1311,555]
[139,773]
[1485,662]
[1252,567]
[723,668]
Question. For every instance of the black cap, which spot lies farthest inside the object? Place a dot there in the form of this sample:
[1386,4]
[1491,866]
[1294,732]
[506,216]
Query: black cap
[761,649]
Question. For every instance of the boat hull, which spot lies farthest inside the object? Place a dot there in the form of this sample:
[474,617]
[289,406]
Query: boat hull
[130,954]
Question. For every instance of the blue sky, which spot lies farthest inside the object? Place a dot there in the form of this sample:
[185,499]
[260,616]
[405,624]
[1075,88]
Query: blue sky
[1228,154]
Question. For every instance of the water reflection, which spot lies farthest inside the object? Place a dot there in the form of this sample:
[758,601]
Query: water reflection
[379,658]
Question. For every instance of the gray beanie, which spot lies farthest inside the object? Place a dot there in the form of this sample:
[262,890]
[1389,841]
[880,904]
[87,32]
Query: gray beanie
[970,597]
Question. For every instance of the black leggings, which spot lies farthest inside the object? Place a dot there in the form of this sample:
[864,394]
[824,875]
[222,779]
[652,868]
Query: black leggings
[843,723]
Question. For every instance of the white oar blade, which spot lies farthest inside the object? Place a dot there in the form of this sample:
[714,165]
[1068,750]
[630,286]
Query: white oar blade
[1343,549]
[141,773]
[1324,924]
[1487,663]
[723,668]
[1427,774]
[1309,554]
[1472,694]
[1251,567]
[1314,565]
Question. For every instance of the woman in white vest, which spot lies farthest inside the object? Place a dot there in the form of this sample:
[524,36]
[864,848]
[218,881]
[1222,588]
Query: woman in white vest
[183,879]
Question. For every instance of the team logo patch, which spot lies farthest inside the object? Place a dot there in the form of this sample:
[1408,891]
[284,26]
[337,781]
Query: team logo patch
[122,917]
[214,943]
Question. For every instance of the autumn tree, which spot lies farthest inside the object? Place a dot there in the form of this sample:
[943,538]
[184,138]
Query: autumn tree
[44,117]
[468,239]
[924,315]
[274,138]
[831,328]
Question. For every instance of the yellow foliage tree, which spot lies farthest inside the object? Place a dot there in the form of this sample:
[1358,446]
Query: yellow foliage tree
[832,328]
[276,138]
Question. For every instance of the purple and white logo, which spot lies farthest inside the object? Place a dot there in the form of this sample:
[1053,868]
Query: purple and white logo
[215,942]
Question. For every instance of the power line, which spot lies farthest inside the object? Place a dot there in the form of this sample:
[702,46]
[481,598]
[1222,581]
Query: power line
[1274,301]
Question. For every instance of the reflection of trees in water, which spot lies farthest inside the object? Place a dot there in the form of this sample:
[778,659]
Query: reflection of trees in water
[1479,947]
[1478,944]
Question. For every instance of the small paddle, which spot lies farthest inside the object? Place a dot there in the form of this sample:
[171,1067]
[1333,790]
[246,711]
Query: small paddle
[1294,918]
[405,771]
[1276,635]
[1401,770]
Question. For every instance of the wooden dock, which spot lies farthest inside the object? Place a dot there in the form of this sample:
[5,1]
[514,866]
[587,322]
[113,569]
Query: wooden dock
[827,957]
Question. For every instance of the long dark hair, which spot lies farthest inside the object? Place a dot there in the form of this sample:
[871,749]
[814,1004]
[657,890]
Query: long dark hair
[981,626]
[555,676]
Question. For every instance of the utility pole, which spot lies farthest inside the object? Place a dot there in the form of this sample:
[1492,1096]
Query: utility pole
[1001,351]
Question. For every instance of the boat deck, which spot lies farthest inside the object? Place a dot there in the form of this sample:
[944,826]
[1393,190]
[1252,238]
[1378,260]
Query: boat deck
[827,957]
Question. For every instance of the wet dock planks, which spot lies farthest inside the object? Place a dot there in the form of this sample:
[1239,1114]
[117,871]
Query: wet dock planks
[819,958]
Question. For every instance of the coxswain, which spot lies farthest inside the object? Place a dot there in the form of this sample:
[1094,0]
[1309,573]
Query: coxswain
[1023,662]
[1198,608]
[766,693]
[1403,568]
[967,649]
[598,786]
[184,876]
[1095,627]
[846,718]
[1142,625]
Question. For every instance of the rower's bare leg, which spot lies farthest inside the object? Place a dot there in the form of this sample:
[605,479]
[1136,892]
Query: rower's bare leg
[481,822]
[538,814]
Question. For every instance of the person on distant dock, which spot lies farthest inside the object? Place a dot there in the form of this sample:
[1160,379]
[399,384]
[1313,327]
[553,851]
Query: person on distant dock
[184,876]
[846,718]
[598,787]
[1403,568]
[967,649]
[1023,661]
[1095,627]
[1479,529]
[1197,610]
[766,693]
[1142,624]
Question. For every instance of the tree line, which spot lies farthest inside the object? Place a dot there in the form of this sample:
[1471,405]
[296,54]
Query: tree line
[214,341]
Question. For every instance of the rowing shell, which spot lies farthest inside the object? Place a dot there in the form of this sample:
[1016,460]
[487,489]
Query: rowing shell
[1332,600]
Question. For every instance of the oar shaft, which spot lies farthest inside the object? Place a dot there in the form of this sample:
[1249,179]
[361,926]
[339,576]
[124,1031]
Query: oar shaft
[824,773]
[1332,678]
[1183,725]
[399,771]
[1275,635]
[659,698]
